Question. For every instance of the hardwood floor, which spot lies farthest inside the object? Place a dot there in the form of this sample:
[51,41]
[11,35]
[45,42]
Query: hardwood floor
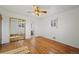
[40,45]
[17,44]
[45,45]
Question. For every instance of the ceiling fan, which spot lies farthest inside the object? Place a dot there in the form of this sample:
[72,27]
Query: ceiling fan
[37,10]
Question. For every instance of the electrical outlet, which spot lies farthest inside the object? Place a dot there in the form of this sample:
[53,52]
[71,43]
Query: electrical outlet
[54,37]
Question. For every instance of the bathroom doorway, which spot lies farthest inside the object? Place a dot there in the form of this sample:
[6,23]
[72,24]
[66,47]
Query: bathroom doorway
[17,29]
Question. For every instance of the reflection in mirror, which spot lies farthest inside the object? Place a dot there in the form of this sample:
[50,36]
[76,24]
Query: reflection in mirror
[17,29]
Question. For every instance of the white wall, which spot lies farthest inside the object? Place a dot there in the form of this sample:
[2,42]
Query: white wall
[67,30]
[35,26]
[5,24]
[5,29]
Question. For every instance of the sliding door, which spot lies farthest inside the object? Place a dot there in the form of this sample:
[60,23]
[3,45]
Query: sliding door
[17,29]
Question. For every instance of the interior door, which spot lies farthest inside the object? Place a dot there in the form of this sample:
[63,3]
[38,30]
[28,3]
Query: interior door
[0,28]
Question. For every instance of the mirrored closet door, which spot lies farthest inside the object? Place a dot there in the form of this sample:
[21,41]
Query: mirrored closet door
[17,29]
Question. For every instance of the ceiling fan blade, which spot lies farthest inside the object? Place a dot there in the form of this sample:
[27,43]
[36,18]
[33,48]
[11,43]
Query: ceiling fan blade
[29,11]
[43,11]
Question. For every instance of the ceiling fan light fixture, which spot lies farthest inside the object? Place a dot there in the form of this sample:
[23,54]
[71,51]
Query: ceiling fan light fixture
[38,11]
[37,14]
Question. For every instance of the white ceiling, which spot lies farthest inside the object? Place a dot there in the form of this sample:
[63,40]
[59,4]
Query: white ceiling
[51,9]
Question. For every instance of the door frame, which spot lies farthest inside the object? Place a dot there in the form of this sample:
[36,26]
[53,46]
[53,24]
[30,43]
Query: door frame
[0,28]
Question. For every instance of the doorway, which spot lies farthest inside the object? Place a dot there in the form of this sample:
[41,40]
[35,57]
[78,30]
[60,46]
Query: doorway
[0,28]
[17,29]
